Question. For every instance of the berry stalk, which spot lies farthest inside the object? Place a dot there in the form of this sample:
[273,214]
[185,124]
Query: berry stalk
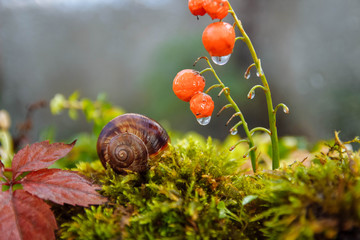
[266,88]
[226,91]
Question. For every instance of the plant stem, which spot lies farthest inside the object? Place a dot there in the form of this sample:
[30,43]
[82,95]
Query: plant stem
[271,112]
[237,110]
[6,143]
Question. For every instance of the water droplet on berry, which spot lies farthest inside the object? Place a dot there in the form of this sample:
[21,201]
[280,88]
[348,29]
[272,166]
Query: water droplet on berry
[251,95]
[204,121]
[222,60]
[233,131]
[247,75]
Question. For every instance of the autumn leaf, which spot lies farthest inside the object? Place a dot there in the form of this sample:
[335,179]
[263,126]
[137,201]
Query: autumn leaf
[23,213]
[61,187]
[23,216]
[38,156]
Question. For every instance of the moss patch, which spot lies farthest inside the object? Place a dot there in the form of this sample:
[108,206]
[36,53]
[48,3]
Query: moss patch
[198,190]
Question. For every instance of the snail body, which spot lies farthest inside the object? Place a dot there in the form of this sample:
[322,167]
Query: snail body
[129,140]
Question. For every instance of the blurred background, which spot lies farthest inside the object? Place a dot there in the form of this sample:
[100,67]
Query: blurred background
[132,49]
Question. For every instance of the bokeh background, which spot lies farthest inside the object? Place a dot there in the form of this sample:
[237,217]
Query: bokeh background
[132,49]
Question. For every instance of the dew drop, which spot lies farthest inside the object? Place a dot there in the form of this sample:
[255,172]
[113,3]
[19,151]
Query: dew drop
[233,131]
[247,75]
[260,74]
[204,121]
[286,110]
[251,95]
[222,60]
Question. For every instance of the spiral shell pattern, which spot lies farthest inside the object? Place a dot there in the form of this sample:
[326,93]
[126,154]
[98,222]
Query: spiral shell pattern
[127,142]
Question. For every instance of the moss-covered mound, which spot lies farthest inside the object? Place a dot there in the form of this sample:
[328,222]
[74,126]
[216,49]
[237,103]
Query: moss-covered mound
[198,190]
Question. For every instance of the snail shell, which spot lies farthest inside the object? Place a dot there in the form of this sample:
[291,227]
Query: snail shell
[129,140]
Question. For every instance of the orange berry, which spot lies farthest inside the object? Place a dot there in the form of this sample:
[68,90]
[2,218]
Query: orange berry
[201,105]
[219,39]
[196,7]
[187,83]
[216,8]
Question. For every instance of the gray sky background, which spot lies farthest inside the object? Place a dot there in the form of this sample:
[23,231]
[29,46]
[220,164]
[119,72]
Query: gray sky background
[310,51]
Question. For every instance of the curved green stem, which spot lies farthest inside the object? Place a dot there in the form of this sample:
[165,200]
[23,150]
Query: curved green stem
[205,70]
[223,108]
[239,38]
[234,128]
[238,113]
[252,90]
[241,141]
[247,72]
[212,87]
[285,108]
[231,118]
[271,113]
[252,149]
[225,89]
[252,131]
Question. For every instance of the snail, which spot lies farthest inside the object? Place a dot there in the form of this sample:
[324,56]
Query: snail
[129,140]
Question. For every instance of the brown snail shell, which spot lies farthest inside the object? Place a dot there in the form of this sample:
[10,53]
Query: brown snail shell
[129,140]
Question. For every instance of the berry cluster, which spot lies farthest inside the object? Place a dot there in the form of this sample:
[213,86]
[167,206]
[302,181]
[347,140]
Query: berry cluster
[217,9]
[188,85]
[218,39]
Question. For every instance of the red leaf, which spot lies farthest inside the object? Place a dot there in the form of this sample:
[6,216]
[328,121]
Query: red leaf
[38,155]
[23,216]
[62,187]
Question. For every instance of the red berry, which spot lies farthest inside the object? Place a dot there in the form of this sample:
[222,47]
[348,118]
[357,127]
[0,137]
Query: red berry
[196,7]
[216,8]
[201,105]
[219,39]
[187,83]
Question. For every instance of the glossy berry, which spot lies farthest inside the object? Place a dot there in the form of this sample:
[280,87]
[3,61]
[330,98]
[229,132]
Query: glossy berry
[219,38]
[196,7]
[217,9]
[201,105]
[187,83]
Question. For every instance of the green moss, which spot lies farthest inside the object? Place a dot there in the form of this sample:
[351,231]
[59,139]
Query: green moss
[317,202]
[95,223]
[198,190]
